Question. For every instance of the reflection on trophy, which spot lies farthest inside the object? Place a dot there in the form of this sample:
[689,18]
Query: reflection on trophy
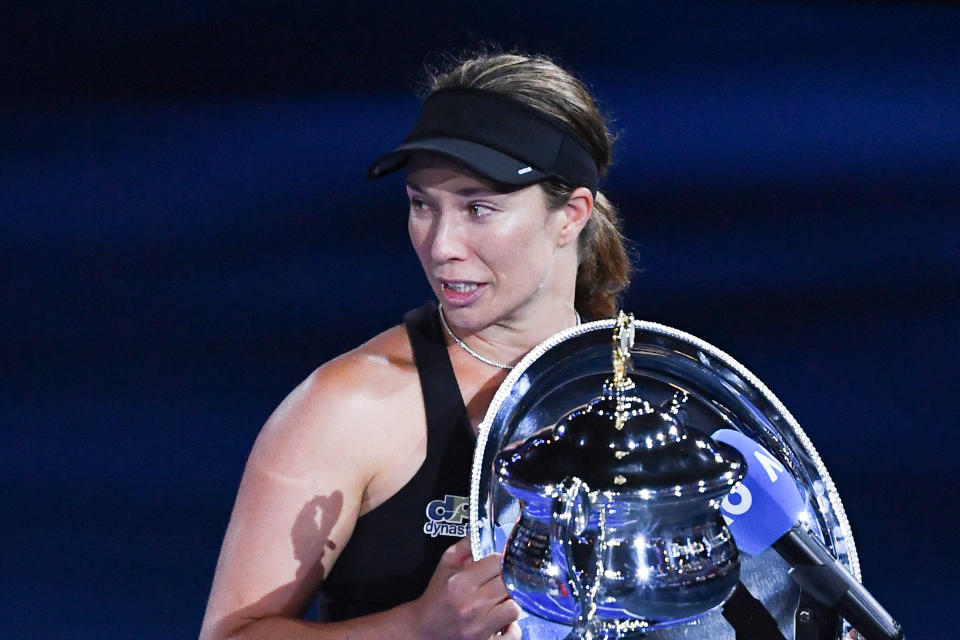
[619,517]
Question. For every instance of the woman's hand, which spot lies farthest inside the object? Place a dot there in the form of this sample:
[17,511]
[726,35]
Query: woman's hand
[467,600]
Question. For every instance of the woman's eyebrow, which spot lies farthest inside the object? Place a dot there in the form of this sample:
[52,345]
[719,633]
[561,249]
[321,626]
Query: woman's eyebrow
[468,192]
[465,192]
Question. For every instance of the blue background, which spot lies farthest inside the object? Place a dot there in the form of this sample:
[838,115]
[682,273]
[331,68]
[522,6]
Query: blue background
[186,232]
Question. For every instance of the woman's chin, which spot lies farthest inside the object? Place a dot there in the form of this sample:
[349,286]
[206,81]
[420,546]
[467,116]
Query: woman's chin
[468,318]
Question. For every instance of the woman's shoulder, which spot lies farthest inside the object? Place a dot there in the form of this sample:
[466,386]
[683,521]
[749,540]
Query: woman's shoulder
[345,401]
[376,368]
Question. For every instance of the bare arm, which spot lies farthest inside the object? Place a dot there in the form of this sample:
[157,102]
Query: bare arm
[465,600]
[299,499]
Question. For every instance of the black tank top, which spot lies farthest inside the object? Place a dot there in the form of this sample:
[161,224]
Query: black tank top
[395,548]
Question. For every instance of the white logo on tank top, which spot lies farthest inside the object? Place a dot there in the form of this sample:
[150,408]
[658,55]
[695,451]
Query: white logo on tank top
[447,517]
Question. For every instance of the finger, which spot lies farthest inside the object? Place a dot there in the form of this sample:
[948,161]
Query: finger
[473,575]
[488,567]
[504,615]
[457,554]
[511,632]
[493,590]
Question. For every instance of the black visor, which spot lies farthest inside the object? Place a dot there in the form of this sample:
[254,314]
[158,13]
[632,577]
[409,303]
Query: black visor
[496,137]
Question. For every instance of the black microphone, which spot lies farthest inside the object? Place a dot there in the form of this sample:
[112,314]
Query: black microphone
[767,510]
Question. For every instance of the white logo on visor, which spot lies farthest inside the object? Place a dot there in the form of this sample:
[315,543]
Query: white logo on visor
[520,172]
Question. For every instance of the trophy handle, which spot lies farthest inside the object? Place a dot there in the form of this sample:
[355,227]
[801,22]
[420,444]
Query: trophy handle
[569,516]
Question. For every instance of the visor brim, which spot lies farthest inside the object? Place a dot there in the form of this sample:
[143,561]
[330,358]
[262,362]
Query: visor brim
[486,162]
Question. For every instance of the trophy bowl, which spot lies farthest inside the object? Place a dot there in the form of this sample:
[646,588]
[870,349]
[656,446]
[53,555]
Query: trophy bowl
[567,371]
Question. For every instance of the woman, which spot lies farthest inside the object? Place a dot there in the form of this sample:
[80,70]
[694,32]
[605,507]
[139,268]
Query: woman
[356,485]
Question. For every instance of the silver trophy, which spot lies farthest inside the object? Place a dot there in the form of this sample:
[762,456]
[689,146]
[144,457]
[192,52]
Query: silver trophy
[620,527]
[606,536]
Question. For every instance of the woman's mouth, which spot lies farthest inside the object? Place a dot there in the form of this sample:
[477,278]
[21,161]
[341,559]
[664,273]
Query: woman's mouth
[461,292]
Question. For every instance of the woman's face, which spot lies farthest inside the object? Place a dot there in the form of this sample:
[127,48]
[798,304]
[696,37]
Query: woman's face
[489,255]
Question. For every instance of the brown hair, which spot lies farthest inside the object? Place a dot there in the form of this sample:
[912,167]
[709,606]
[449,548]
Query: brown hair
[538,82]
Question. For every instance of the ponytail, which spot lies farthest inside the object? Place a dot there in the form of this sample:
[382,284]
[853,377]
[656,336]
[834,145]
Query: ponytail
[604,271]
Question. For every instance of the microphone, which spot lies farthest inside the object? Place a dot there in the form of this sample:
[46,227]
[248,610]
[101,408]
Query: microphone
[767,510]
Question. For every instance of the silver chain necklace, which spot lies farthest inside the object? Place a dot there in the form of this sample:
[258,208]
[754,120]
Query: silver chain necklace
[463,345]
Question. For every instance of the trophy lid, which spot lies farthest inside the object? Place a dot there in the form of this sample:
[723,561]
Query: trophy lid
[650,452]
[620,443]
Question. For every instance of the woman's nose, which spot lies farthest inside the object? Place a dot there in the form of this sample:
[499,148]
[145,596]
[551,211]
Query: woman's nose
[449,240]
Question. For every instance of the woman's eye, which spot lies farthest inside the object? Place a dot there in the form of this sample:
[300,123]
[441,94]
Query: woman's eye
[417,205]
[479,209]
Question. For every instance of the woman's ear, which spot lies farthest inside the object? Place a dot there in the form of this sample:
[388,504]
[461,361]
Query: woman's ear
[576,212]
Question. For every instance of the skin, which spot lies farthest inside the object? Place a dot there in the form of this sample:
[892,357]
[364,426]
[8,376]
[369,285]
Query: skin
[354,432]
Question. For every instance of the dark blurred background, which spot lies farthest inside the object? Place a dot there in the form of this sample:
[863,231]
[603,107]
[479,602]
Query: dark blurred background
[186,232]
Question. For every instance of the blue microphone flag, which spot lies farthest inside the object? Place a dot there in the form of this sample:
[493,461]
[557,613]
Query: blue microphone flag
[767,503]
